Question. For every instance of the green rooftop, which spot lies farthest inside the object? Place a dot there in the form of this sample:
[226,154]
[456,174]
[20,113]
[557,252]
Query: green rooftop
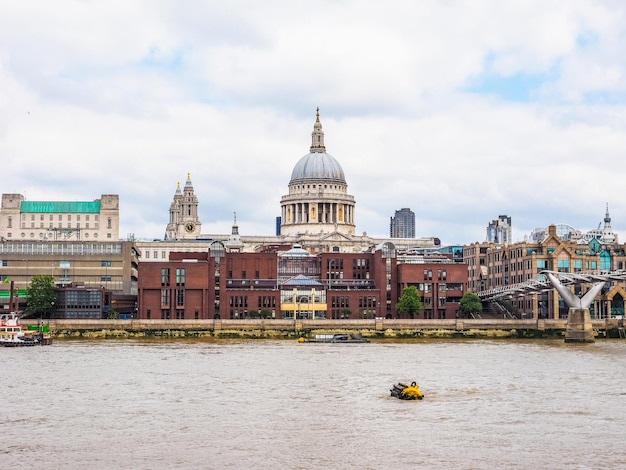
[60,207]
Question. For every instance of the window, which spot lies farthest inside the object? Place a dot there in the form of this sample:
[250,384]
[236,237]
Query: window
[165,276]
[605,261]
[180,296]
[165,297]
[578,265]
[180,276]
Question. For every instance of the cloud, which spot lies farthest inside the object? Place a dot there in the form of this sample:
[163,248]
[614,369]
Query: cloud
[460,111]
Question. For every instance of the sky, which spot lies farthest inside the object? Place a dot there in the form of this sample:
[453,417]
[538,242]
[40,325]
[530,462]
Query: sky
[461,111]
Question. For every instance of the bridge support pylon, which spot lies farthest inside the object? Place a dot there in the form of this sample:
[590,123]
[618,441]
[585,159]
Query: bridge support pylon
[579,328]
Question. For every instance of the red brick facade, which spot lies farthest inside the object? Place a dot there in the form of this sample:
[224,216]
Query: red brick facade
[336,285]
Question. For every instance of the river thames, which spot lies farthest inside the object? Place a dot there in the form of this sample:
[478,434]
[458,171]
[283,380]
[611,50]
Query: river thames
[285,405]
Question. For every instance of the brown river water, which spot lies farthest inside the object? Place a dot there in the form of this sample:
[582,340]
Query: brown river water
[507,404]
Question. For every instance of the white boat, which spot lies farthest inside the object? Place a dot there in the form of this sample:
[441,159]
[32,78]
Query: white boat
[339,338]
[11,333]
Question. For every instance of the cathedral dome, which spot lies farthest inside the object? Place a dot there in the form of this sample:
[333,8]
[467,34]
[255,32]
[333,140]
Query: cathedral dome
[318,199]
[318,166]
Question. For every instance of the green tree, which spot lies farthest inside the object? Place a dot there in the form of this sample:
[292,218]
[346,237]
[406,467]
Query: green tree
[346,312]
[410,302]
[113,314]
[41,297]
[470,305]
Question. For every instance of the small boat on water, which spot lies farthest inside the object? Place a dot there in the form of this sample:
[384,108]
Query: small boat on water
[11,334]
[338,338]
[407,392]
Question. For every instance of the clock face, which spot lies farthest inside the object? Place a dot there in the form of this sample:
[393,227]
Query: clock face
[189,226]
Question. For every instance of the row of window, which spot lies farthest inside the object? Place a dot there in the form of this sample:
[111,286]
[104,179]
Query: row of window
[179,314]
[44,248]
[180,276]
[442,274]
[50,235]
[68,225]
[96,217]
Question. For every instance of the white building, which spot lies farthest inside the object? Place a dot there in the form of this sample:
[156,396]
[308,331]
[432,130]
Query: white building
[97,220]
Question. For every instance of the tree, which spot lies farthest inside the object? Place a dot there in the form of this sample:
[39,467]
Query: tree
[410,302]
[113,314]
[470,304]
[41,296]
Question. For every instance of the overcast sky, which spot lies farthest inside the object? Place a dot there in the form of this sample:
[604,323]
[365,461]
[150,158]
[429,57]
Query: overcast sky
[459,110]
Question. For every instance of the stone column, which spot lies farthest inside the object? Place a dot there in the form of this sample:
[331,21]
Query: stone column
[579,328]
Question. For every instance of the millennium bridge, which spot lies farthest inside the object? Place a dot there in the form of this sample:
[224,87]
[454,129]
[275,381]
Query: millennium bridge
[542,283]
[579,324]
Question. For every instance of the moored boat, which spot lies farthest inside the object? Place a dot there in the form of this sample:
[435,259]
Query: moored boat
[339,338]
[11,334]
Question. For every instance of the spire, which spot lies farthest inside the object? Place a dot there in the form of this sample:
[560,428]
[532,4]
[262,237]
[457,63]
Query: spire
[317,136]
[234,243]
[178,189]
[235,226]
[608,236]
[188,183]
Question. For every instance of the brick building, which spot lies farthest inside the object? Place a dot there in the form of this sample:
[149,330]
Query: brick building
[296,283]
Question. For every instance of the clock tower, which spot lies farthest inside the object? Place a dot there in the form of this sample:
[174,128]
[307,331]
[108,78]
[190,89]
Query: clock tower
[184,223]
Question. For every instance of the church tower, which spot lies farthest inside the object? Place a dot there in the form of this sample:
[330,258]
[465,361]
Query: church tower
[184,223]
[318,199]
[608,236]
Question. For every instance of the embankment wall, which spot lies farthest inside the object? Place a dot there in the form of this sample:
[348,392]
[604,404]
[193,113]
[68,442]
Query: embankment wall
[276,329]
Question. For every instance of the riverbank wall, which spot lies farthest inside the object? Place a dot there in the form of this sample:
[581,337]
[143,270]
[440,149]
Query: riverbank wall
[378,328]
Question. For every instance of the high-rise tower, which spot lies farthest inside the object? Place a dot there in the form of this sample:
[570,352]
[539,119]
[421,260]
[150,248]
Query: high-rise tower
[402,224]
[500,230]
